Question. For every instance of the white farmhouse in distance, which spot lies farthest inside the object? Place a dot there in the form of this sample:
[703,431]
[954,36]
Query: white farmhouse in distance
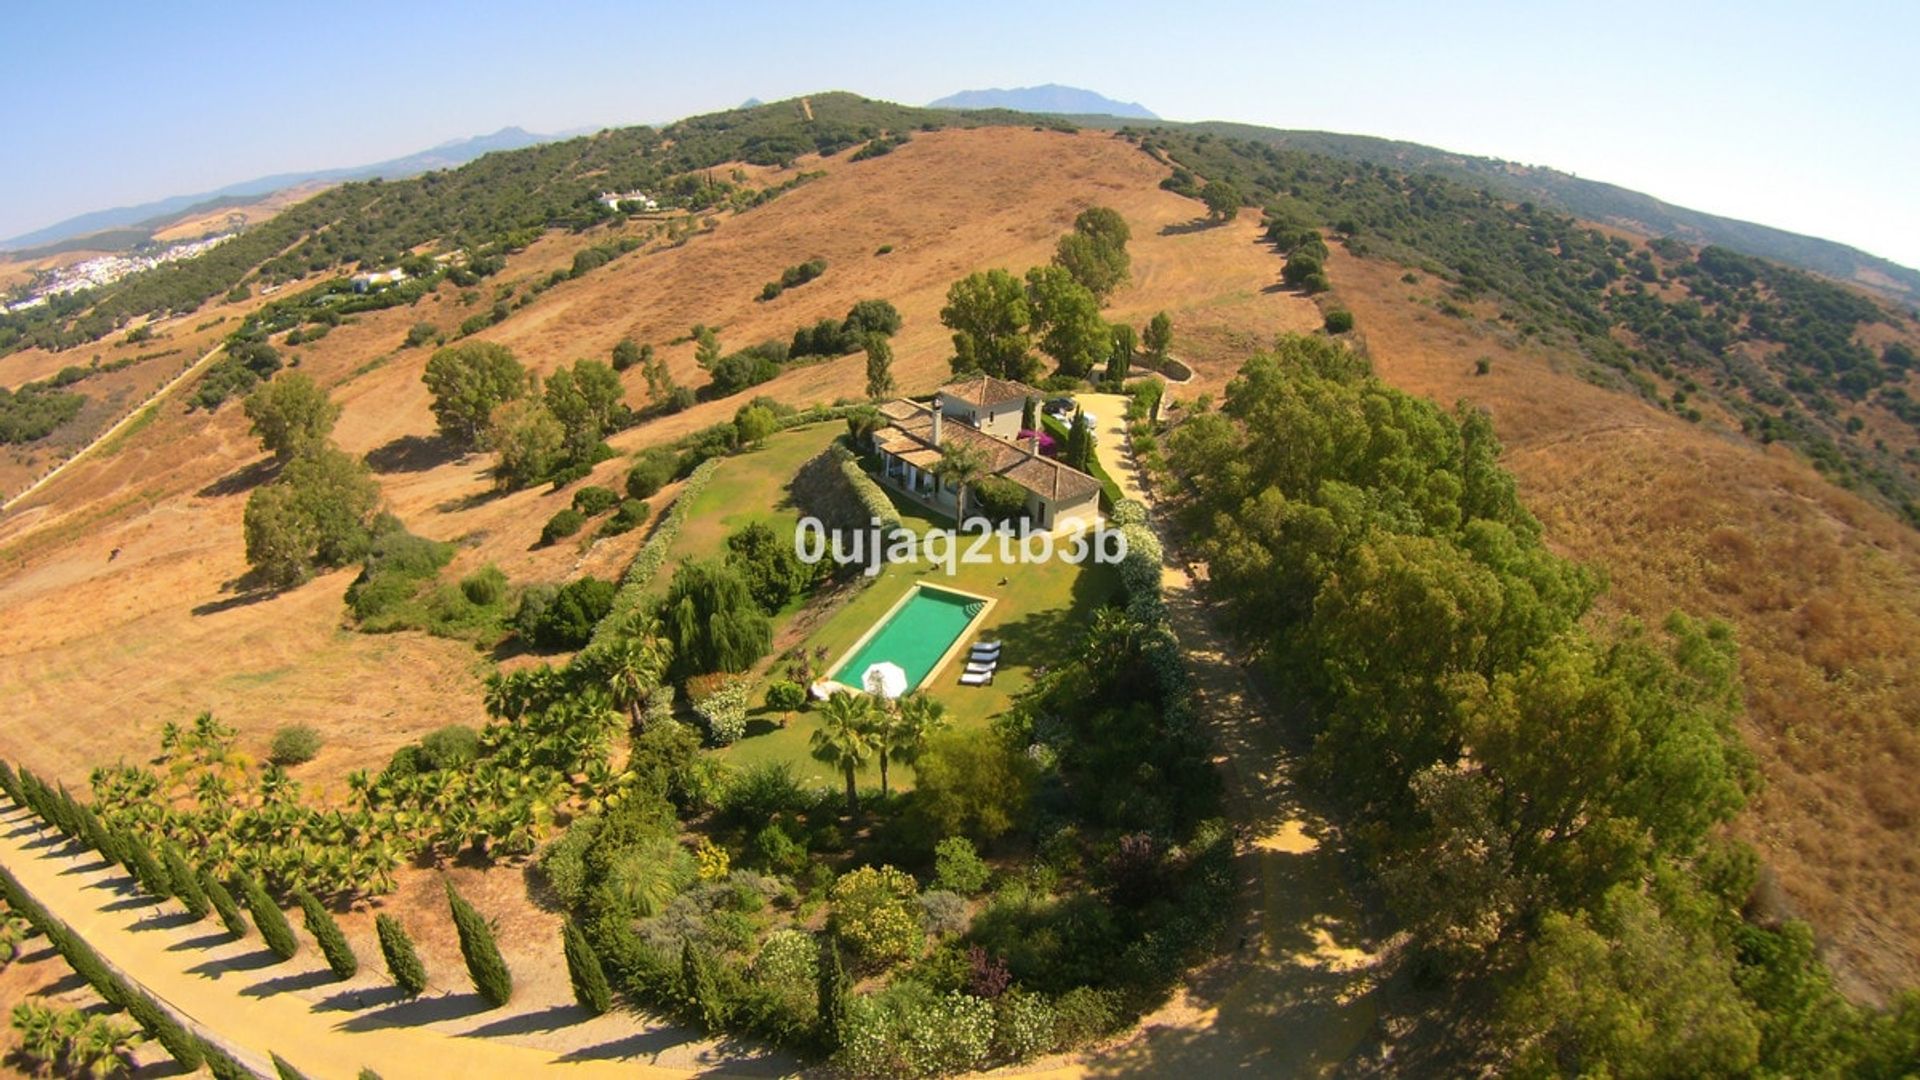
[379,279]
[615,200]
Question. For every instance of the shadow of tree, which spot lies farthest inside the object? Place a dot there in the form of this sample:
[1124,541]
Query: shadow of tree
[247,589]
[469,501]
[355,1000]
[241,480]
[413,453]
[281,984]
[1051,637]
[552,1018]
[129,903]
[204,941]
[647,1043]
[68,983]
[418,1011]
[1199,224]
[253,961]
[171,920]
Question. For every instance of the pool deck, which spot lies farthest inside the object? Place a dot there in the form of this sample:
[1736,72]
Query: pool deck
[953,650]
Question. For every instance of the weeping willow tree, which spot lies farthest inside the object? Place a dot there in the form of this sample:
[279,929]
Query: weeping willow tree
[712,619]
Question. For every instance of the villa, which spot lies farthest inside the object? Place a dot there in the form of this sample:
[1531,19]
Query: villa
[983,413]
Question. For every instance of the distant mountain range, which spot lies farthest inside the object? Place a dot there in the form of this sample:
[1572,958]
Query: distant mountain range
[1051,98]
[125,227]
[128,222]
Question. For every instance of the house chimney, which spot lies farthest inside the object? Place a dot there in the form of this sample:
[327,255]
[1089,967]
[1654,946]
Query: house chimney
[936,427]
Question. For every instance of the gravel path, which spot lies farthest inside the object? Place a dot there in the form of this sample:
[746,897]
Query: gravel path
[1295,996]
[252,1005]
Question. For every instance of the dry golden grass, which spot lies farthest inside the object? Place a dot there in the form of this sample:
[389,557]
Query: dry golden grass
[1823,588]
[176,342]
[194,226]
[101,652]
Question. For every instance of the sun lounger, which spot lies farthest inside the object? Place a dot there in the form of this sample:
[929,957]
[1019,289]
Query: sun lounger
[986,648]
[976,679]
[981,667]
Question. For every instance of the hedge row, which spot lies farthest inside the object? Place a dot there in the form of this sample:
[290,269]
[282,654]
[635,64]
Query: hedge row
[154,1018]
[871,495]
[1140,577]
[653,554]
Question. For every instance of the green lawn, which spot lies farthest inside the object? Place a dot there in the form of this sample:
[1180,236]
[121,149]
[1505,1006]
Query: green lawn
[747,488]
[750,487]
[1040,612]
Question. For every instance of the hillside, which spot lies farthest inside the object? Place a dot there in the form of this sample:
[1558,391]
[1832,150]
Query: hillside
[166,622]
[1777,347]
[123,227]
[1603,203]
[126,575]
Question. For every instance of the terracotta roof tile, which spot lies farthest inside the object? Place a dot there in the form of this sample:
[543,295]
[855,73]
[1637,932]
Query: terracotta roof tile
[911,437]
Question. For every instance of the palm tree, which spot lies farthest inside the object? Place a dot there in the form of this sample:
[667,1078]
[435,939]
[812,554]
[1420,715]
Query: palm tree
[845,738]
[634,666]
[901,728]
[914,718]
[103,1047]
[960,466]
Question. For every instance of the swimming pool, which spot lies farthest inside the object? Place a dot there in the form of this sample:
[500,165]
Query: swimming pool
[917,634]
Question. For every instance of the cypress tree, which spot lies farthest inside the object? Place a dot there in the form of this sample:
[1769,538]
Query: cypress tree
[831,994]
[98,837]
[222,1065]
[84,961]
[223,905]
[267,915]
[11,784]
[76,815]
[409,974]
[326,933]
[186,885]
[490,975]
[284,1068]
[31,791]
[66,813]
[160,1025]
[701,994]
[147,871]
[583,970]
[123,843]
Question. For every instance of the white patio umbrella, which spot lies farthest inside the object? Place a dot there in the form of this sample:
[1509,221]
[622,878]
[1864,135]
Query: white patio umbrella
[885,679]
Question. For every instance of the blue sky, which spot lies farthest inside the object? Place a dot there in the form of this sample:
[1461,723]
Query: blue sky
[1792,114]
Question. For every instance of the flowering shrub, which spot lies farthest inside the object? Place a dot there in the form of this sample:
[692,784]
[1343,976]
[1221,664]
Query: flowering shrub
[725,712]
[907,1030]
[1024,1025]
[873,912]
[789,960]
